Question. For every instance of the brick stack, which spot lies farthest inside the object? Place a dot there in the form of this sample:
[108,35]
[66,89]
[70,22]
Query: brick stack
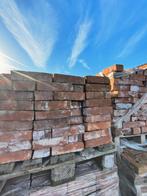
[97,111]
[127,88]
[58,125]
[16,117]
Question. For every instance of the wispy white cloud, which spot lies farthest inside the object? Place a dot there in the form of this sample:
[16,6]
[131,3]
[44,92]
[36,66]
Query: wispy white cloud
[132,42]
[84,64]
[80,42]
[35,30]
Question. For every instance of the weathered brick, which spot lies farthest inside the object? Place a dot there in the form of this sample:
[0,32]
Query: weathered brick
[16,105]
[97,87]
[69,130]
[73,138]
[16,115]
[41,153]
[75,120]
[97,118]
[16,95]
[119,112]
[98,142]
[144,129]
[73,147]
[97,110]
[68,79]
[134,88]
[25,75]
[97,95]
[97,102]
[126,81]
[5,82]
[78,88]
[37,135]
[15,125]
[77,96]
[136,130]
[57,87]
[15,136]
[123,100]
[75,104]
[97,79]
[134,124]
[43,95]
[123,106]
[113,68]
[43,143]
[138,77]
[95,134]
[97,125]
[15,156]
[52,105]
[25,85]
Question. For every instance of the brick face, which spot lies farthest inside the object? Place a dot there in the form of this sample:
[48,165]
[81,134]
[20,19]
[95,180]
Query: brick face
[77,96]
[68,79]
[99,141]
[16,115]
[16,105]
[15,125]
[23,85]
[97,125]
[15,136]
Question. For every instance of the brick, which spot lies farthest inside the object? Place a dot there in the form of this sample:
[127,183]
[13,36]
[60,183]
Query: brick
[41,153]
[57,87]
[136,130]
[37,135]
[43,95]
[78,88]
[43,143]
[97,103]
[25,85]
[97,125]
[123,100]
[75,120]
[5,82]
[75,104]
[134,124]
[97,95]
[98,142]
[126,131]
[134,88]
[97,110]
[68,79]
[97,79]
[123,106]
[77,96]
[143,89]
[144,129]
[16,105]
[126,81]
[138,77]
[123,87]
[16,115]
[69,130]
[16,95]
[24,75]
[95,134]
[73,138]
[47,124]
[73,147]
[97,87]
[15,136]
[15,156]
[15,125]
[14,146]
[97,118]
[113,68]
[52,105]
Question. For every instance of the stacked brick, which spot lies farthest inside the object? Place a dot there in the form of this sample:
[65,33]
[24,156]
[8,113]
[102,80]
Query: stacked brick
[58,125]
[127,88]
[16,118]
[97,111]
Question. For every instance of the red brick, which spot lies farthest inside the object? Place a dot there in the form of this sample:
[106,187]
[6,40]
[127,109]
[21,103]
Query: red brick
[24,75]
[98,142]
[69,130]
[97,102]
[44,143]
[75,104]
[37,135]
[144,129]
[25,85]
[73,147]
[77,96]
[15,156]
[98,118]
[16,115]
[15,136]
[5,82]
[97,110]
[43,95]
[16,105]
[95,134]
[138,77]
[68,79]
[78,88]
[15,125]
[57,87]
[76,112]
[75,120]
[97,87]
[16,95]
[136,130]
[97,95]
[97,125]
[97,80]
[74,138]
[113,68]
[126,81]
[123,87]
[123,100]
[52,105]
[133,124]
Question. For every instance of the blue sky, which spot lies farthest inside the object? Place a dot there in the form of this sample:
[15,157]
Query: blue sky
[79,37]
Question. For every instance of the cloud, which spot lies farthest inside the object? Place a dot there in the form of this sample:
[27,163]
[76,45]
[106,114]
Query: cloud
[80,42]
[84,64]
[35,29]
[132,42]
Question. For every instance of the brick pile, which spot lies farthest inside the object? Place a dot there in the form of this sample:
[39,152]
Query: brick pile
[127,88]
[97,111]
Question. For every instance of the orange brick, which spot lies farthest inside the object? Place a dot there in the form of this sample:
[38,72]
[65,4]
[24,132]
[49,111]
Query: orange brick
[98,142]
[97,125]
[95,134]
[113,68]
[15,136]
[136,130]
[52,105]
